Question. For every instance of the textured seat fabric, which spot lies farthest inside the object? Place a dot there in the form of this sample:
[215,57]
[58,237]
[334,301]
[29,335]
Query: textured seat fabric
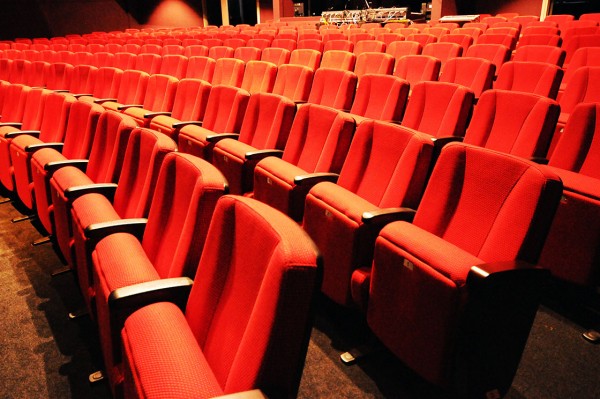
[82,123]
[267,123]
[540,53]
[275,55]
[229,72]
[248,313]
[318,142]
[417,68]
[571,250]
[294,82]
[132,90]
[310,58]
[470,214]
[146,150]
[381,97]
[108,80]
[475,73]
[338,59]
[247,54]
[516,123]
[530,77]
[224,114]
[184,200]
[104,166]
[333,88]
[439,109]
[386,167]
[497,54]
[201,67]
[372,62]
[259,77]
[443,51]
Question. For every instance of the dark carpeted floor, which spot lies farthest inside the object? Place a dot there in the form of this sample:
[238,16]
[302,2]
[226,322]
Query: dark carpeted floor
[45,355]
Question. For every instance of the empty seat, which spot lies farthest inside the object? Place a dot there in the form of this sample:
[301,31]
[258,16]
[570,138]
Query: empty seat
[443,51]
[266,126]
[417,68]
[287,44]
[496,53]
[370,62]
[318,143]
[124,61]
[224,114]
[201,68]
[439,109]
[463,40]
[386,167]
[277,260]
[333,88]
[174,65]
[159,97]
[275,55]
[422,38]
[530,77]
[475,73]
[228,71]
[549,54]
[294,82]
[540,40]
[389,38]
[83,79]
[313,44]
[259,76]
[131,91]
[338,59]
[59,76]
[195,50]
[585,56]
[570,46]
[381,97]
[307,57]
[370,46]
[217,52]
[259,43]
[247,54]
[466,262]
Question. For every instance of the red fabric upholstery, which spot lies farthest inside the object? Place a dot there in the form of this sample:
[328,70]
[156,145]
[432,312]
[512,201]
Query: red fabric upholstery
[247,54]
[148,62]
[106,160]
[549,39]
[124,60]
[294,81]
[368,46]
[498,54]
[59,77]
[537,53]
[469,214]
[275,55]
[571,250]
[417,68]
[267,123]
[313,44]
[218,52]
[399,49]
[475,73]
[195,50]
[259,77]
[333,88]
[516,123]
[146,150]
[174,65]
[443,51]
[338,59]
[463,40]
[318,142]
[371,62]
[108,80]
[248,312]
[132,89]
[440,109]
[201,67]
[189,104]
[185,197]
[530,77]
[228,71]
[386,167]
[159,97]
[585,56]
[224,114]
[339,44]
[422,38]
[381,97]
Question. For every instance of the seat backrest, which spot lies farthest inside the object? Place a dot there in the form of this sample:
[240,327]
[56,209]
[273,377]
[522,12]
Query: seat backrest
[389,38]
[578,149]
[217,52]
[174,65]
[371,46]
[422,38]
[151,48]
[443,51]
[498,54]
[190,100]
[15,97]
[372,62]
[387,164]
[39,74]
[581,88]
[247,54]
[381,97]
[313,44]
[338,59]
[133,87]
[125,60]
[259,76]
[250,310]
[437,31]
[59,76]
[319,139]
[195,50]
[585,56]
[294,82]
[537,53]
[83,79]
[417,68]
[439,109]
[172,49]
[103,59]
[267,121]
[108,80]
[160,93]
[540,40]
[463,40]
[108,147]
[56,114]
[33,112]
[145,152]
[475,73]
[307,57]
[228,71]
[225,109]
[200,67]
[575,42]
[275,55]
[333,88]
[234,42]
[515,203]
[81,125]
[288,44]
[513,122]
[259,43]
[530,77]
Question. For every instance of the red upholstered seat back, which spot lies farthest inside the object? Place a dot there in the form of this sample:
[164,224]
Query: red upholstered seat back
[83,119]
[133,87]
[33,109]
[225,110]
[249,308]
[516,123]
[184,199]
[371,62]
[443,51]
[108,147]
[200,67]
[247,53]
[417,68]
[319,139]
[191,99]
[496,53]
[59,77]
[174,65]
[381,97]
[39,73]
[308,57]
[146,150]
[581,89]
[228,71]
[20,71]
[487,206]
[148,62]
[195,50]
[275,55]
[217,52]
[108,80]
[333,88]
[294,82]
[437,108]
[56,113]
[84,79]
[368,46]
[338,59]
[475,73]
[540,53]
[387,164]
[579,147]
[15,97]
[259,77]
[530,77]
[267,121]
[160,93]
[585,56]
[124,60]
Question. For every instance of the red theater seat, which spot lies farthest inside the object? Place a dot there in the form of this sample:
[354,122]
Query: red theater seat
[333,88]
[475,73]
[294,82]
[530,77]
[417,68]
[381,97]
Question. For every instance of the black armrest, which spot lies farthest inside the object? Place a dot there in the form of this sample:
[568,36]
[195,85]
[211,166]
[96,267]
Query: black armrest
[60,90]
[186,123]
[253,394]
[12,135]
[97,231]
[153,114]
[82,95]
[260,154]
[104,100]
[106,189]
[138,295]
[11,124]
[387,215]
[478,273]
[314,178]
[125,106]
[35,147]
[213,138]
[539,160]
[52,167]
[439,142]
